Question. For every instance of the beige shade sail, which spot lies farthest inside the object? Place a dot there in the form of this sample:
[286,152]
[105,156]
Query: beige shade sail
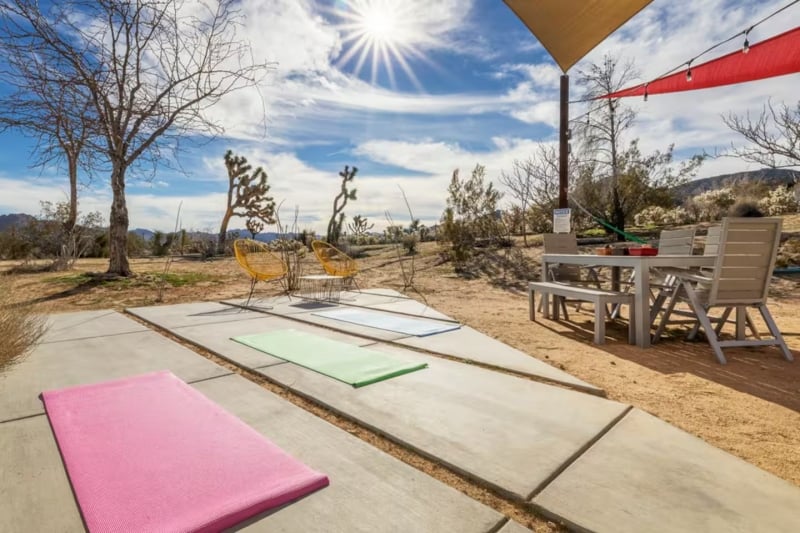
[569,29]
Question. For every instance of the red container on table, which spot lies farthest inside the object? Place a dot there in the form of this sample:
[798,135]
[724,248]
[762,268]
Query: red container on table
[643,251]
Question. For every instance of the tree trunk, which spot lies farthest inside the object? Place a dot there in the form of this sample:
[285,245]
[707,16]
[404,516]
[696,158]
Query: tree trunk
[72,219]
[223,231]
[118,225]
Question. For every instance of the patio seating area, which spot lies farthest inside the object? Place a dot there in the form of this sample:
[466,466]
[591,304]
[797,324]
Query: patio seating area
[509,422]
[732,274]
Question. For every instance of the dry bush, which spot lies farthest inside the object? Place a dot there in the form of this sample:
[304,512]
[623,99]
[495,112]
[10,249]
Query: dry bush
[20,327]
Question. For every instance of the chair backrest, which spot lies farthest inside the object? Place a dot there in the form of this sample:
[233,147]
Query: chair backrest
[712,240]
[563,243]
[257,260]
[334,261]
[745,259]
[676,242]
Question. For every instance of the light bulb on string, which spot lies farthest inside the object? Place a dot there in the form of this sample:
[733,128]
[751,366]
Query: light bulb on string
[689,72]
[645,92]
[746,45]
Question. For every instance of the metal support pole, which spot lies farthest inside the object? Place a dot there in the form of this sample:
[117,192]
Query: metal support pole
[563,144]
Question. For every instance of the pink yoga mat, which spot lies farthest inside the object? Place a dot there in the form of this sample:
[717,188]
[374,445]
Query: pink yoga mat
[150,453]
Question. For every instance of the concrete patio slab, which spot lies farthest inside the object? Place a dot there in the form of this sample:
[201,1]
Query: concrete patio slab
[513,527]
[217,338]
[282,305]
[85,324]
[370,297]
[646,475]
[348,327]
[193,314]
[369,490]
[472,345]
[35,494]
[511,432]
[62,364]
[414,308]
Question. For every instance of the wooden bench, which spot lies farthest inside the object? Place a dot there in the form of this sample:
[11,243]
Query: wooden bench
[585,294]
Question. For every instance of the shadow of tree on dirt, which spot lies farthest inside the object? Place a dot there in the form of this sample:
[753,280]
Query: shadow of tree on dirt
[508,268]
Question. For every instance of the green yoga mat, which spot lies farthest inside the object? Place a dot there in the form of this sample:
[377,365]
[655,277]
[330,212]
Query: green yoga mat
[339,360]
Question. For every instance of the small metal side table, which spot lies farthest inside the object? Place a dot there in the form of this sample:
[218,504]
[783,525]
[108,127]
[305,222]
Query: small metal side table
[320,288]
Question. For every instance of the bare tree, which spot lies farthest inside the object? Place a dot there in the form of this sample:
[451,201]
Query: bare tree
[602,133]
[345,194]
[60,121]
[773,137]
[614,178]
[247,196]
[534,184]
[151,70]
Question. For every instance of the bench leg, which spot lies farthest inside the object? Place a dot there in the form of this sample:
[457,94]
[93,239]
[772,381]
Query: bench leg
[532,303]
[631,325]
[600,322]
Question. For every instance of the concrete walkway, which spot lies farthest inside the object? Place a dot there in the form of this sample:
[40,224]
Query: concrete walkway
[464,343]
[369,491]
[591,463]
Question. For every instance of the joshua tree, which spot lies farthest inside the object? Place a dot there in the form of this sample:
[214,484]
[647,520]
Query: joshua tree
[254,226]
[359,226]
[247,196]
[345,194]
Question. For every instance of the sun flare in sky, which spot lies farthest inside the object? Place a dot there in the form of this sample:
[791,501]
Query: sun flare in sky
[385,33]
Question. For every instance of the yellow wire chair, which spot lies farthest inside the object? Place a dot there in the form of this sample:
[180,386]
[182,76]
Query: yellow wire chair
[335,262]
[259,263]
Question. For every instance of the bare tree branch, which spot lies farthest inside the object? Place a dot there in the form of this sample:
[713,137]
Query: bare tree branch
[773,136]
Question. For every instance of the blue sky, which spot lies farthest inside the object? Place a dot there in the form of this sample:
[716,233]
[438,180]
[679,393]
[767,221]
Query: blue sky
[481,90]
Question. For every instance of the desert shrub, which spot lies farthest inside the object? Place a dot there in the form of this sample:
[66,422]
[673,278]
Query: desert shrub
[20,327]
[779,201]
[711,205]
[745,208]
[410,243]
[471,215]
[655,215]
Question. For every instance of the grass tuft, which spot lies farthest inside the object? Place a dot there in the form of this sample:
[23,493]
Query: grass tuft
[20,327]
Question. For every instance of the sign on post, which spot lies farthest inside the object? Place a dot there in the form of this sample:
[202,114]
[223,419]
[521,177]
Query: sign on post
[561,220]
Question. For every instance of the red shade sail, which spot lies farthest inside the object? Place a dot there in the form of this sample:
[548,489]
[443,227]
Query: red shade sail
[777,56]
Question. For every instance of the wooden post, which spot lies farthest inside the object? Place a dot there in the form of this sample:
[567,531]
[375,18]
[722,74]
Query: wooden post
[563,144]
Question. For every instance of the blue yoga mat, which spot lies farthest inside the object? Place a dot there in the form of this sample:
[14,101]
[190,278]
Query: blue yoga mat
[399,324]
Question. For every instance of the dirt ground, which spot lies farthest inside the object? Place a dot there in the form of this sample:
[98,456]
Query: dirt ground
[749,407]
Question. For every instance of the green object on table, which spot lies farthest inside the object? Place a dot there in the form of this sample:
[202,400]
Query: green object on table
[346,362]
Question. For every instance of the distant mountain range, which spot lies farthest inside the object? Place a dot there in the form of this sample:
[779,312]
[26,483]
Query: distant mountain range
[14,219]
[267,236]
[774,177]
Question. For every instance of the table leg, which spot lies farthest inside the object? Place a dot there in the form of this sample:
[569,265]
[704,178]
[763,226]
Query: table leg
[641,304]
[741,314]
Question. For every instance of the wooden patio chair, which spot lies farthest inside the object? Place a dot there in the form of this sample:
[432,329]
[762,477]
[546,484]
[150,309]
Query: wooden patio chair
[259,262]
[670,242]
[746,254]
[710,248]
[335,262]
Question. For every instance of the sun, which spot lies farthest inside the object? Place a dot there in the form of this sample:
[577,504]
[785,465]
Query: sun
[385,32]
[380,26]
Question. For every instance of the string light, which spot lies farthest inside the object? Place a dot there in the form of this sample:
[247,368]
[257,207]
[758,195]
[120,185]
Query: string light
[745,50]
